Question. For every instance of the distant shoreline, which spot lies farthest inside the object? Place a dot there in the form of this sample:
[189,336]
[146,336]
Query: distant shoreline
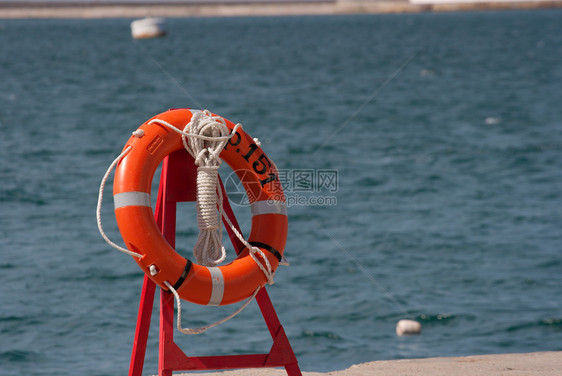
[233,8]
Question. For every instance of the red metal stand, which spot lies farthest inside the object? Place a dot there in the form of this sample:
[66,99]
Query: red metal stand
[177,184]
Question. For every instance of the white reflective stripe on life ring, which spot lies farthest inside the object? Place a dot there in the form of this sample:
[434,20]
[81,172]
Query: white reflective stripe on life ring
[269,207]
[218,286]
[133,198]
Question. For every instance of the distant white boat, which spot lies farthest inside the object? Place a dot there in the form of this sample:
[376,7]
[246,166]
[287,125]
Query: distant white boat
[151,27]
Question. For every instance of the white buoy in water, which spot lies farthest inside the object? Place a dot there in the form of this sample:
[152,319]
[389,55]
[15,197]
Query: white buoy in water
[408,327]
[148,28]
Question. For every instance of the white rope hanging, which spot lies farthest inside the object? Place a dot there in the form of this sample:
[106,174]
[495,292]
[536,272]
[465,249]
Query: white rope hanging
[211,135]
[100,200]
[208,250]
[267,271]
[204,328]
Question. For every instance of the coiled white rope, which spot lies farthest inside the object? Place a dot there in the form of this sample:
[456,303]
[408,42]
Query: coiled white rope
[204,137]
[208,250]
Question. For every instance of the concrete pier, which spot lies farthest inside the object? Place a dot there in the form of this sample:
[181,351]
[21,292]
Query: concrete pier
[529,364]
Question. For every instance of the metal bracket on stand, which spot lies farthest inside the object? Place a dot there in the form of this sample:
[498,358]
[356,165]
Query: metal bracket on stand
[177,184]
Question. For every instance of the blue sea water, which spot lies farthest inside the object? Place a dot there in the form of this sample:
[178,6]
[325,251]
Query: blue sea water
[443,133]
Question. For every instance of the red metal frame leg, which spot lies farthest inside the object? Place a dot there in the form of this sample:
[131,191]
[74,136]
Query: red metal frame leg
[143,327]
[166,332]
[281,352]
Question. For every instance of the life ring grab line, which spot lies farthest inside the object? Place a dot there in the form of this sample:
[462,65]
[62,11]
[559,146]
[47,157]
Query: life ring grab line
[100,201]
[260,208]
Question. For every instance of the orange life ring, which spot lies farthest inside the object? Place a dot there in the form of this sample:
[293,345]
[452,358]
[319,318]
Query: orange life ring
[195,283]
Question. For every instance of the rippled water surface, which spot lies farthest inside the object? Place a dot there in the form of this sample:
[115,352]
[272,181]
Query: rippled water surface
[444,132]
